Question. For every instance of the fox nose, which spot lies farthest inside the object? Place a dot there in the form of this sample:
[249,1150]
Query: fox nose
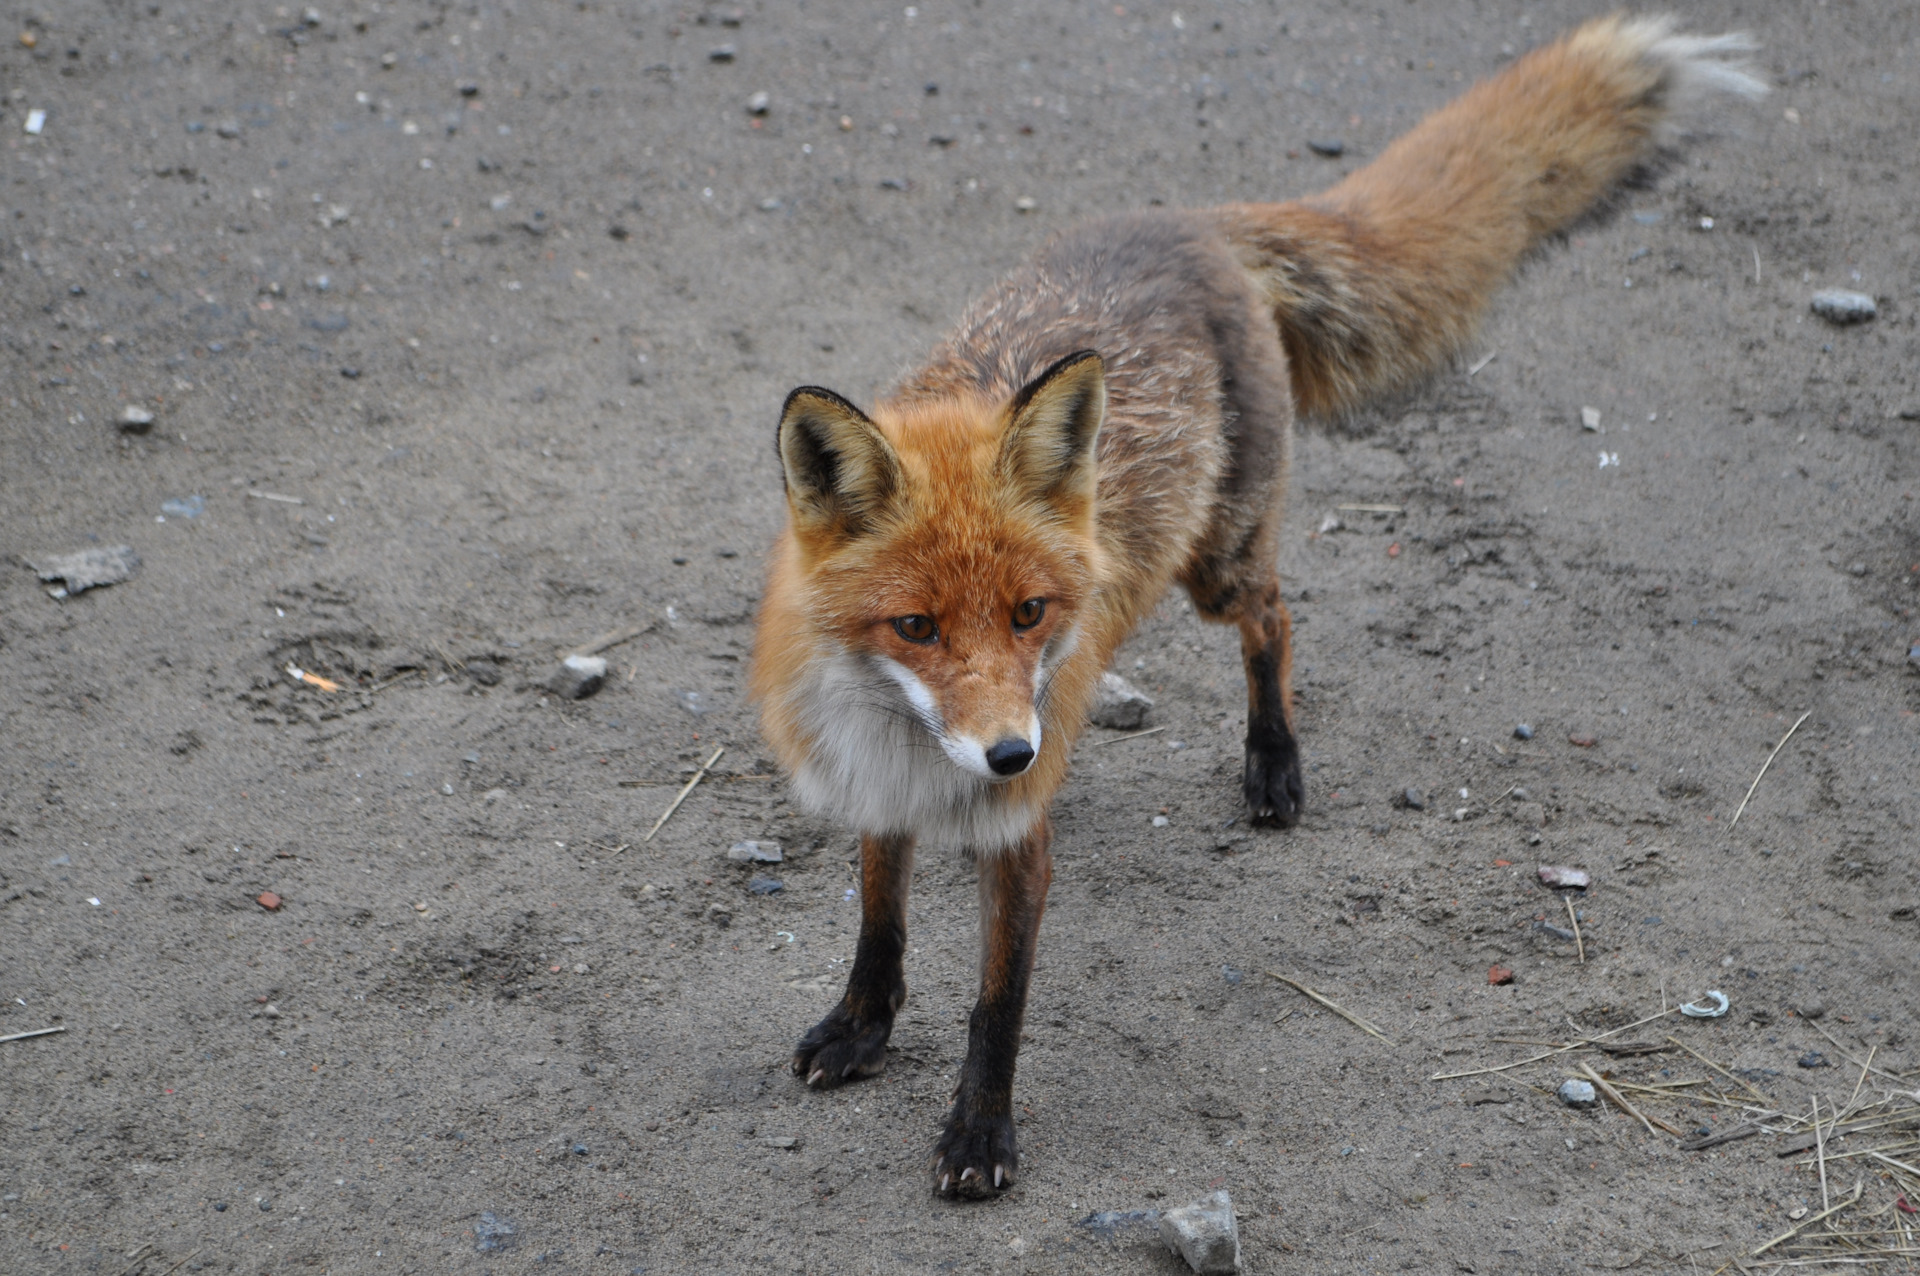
[1010,756]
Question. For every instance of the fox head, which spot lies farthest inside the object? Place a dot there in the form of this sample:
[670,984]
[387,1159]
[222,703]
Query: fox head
[939,557]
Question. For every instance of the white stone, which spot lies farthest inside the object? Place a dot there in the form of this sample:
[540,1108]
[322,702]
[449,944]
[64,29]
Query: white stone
[1204,1234]
[1119,705]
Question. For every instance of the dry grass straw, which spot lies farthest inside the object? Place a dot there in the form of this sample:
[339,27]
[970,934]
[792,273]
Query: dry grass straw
[698,776]
[1348,1015]
[1581,1044]
[1763,768]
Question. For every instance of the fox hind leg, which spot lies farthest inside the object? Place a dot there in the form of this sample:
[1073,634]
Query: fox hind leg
[851,1042]
[1274,788]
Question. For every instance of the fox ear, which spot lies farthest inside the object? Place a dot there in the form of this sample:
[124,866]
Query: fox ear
[1047,453]
[840,470]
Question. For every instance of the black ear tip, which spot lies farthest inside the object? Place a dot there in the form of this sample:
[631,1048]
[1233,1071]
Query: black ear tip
[818,392]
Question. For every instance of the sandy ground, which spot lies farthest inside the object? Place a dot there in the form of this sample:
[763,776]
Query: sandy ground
[505,299]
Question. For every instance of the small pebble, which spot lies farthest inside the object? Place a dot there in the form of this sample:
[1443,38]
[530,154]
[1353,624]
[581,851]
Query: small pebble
[1837,305]
[1499,976]
[1331,147]
[1561,875]
[723,53]
[1576,1093]
[135,419]
[1160,821]
[1205,1234]
[1590,419]
[765,885]
[484,672]
[1811,1010]
[755,853]
[1118,705]
[760,103]
[1814,1059]
[1026,203]
[1523,732]
[578,677]
[1414,800]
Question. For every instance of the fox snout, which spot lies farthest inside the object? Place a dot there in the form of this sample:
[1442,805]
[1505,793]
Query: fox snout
[1010,756]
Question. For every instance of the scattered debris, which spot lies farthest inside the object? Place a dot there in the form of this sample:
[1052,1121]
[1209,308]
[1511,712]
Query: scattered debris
[1713,1006]
[297,674]
[269,901]
[1329,147]
[1522,732]
[1576,1093]
[578,677]
[1837,305]
[1205,1234]
[275,496]
[484,672]
[36,120]
[135,419]
[86,569]
[765,886]
[1814,1059]
[755,853]
[1499,976]
[1413,799]
[1118,705]
[785,1143]
[1561,875]
[1583,741]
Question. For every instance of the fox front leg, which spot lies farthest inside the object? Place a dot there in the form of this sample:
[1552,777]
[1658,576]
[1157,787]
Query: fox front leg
[851,1041]
[976,1154]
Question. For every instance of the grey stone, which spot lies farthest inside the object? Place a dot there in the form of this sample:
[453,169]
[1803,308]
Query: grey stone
[1115,1225]
[765,886]
[1331,147]
[755,853]
[1576,1093]
[578,677]
[1204,1234]
[783,1142]
[1118,705]
[484,672]
[1530,815]
[1523,732]
[1811,1010]
[85,569]
[1837,305]
[759,104]
[494,1232]
[134,419]
[1414,800]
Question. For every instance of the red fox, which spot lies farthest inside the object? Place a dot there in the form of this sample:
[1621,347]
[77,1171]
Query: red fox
[960,563]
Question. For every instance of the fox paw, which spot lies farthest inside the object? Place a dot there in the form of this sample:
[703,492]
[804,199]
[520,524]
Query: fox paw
[975,1157]
[842,1047]
[1275,791]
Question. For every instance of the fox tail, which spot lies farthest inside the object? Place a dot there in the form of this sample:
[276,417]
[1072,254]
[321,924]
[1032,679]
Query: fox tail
[1378,281]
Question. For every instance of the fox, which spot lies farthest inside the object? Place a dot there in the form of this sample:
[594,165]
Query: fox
[960,561]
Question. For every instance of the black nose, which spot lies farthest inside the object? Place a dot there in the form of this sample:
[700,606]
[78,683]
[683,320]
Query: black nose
[1010,757]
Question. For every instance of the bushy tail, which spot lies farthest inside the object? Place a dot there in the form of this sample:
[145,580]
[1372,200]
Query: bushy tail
[1378,281]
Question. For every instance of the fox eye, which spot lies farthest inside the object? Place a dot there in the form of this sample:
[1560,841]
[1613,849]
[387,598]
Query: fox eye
[916,628]
[1028,613]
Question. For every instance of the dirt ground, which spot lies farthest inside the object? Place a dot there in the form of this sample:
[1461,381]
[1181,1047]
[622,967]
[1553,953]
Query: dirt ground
[468,325]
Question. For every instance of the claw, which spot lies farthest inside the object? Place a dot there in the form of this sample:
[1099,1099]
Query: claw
[945,1181]
[998,1174]
[969,1171]
[813,1078]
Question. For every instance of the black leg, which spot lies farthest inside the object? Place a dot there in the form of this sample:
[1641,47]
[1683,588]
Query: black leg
[852,1040]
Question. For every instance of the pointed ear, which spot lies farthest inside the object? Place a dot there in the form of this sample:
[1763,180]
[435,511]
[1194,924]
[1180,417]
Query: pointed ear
[1047,453]
[840,470]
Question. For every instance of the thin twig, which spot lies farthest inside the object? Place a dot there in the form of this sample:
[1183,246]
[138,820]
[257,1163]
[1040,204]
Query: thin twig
[1864,1069]
[1484,360]
[1820,1150]
[612,638]
[1858,1187]
[394,681]
[697,777]
[1371,509]
[275,496]
[1134,736]
[1620,1101]
[1521,1063]
[138,1256]
[37,1032]
[1897,1164]
[177,1266]
[1573,919]
[1717,1068]
[1879,1072]
[1348,1015]
[1764,765]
